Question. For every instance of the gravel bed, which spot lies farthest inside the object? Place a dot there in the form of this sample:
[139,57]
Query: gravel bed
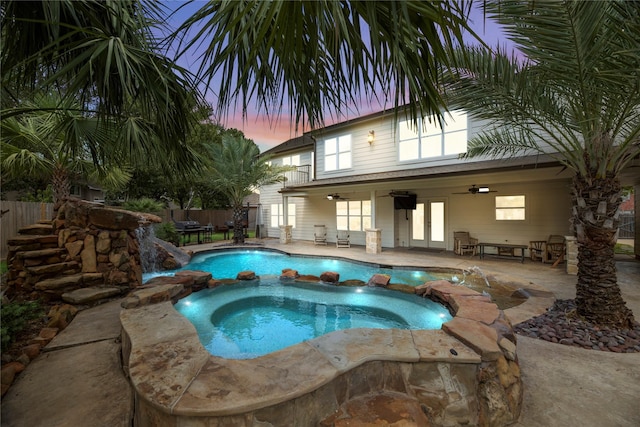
[561,324]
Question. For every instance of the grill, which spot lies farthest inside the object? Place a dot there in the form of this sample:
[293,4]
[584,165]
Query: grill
[187,225]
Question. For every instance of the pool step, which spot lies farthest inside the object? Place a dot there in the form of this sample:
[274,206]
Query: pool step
[387,408]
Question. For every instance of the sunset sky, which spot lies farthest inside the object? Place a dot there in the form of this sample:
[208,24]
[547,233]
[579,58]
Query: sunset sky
[268,133]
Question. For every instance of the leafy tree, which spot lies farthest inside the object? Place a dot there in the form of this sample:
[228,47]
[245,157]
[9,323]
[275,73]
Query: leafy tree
[237,169]
[144,204]
[55,144]
[105,61]
[325,54]
[576,96]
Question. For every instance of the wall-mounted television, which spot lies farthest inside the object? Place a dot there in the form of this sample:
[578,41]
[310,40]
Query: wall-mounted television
[405,202]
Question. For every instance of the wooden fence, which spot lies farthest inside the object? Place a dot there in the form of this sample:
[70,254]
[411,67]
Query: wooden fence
[213,217]
[19,214]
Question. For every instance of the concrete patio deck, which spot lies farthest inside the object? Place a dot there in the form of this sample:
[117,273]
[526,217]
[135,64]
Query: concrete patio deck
[78,380]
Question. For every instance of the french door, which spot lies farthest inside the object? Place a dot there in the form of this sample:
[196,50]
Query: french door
[428,227]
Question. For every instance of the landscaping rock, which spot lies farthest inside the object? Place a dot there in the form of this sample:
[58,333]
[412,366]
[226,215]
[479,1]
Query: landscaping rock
[152,295]
[31,351]
[199,277]
[330,277]
[246,275]
[380,280]
[61,315]
[289,274]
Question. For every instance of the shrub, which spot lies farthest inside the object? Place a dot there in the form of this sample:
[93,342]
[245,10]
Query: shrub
[15,317]
[144,204]
[167,232]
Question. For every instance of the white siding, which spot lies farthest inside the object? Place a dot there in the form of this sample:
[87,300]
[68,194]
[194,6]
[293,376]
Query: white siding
[382,154]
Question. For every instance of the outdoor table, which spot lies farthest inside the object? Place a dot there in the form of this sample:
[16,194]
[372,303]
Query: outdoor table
[504,250]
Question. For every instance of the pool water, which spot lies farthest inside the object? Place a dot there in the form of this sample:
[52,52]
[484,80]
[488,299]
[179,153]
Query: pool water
[229,263]
[248,320]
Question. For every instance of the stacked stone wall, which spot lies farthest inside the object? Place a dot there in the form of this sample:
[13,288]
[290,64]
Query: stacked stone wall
[85,246]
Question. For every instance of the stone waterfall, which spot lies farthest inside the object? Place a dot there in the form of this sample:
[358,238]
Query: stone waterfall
[156,254]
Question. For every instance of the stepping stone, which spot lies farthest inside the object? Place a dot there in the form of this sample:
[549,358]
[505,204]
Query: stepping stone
[87,295]
[59,282]
[36,229]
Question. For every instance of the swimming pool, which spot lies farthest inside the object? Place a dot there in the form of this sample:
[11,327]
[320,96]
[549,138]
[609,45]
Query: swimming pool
[227,264]
[249,320]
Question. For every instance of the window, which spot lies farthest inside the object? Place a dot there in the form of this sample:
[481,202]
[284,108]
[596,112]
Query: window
[429,140]
[291,160]
[75,191]
[510,208]
[277,215]
[353,215]
[337,153]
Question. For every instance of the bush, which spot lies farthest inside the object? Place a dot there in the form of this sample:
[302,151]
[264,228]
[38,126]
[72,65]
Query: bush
[144,205]
[167,232]
[15,317]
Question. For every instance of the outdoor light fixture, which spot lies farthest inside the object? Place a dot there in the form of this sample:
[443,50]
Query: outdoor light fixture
[483,190]
[371,137]
[329,196]
[333,196]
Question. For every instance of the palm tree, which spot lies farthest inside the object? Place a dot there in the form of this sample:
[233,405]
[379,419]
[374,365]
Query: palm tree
[56,144]
[103,56]
[576,96]
[237,170]
[319,55]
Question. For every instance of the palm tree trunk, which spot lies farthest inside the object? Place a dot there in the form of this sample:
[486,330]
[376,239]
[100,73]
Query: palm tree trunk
[61,187]
[238,230]
[595,206]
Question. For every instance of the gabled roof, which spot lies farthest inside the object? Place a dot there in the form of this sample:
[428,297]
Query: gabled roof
[307,140]
[300,142]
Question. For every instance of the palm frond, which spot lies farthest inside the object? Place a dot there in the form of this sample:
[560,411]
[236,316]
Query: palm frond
[325,55]
[575,95]
[104,56]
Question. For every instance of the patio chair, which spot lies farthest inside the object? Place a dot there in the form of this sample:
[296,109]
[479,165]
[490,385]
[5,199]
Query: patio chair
[320,235]
[536,249]
[464,243]
[342,239]
[550,250]
[554,249]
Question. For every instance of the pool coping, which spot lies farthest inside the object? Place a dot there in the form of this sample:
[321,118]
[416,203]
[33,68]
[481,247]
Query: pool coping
[172,372]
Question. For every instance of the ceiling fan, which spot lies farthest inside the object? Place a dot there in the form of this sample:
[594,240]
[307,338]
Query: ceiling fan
[394,193]
[475,190]
[335,196]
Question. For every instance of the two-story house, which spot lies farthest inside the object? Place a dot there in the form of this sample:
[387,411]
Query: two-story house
[381,172]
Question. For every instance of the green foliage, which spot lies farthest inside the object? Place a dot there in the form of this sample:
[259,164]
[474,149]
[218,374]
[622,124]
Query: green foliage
[3,267]
[45,195]
[167,231]
[623,249]
[15,317]
[104,55]
[144,204]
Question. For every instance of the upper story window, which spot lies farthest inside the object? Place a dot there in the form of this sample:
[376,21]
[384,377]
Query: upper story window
[510,208]
[430,140]
[291,160]
[337,153]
